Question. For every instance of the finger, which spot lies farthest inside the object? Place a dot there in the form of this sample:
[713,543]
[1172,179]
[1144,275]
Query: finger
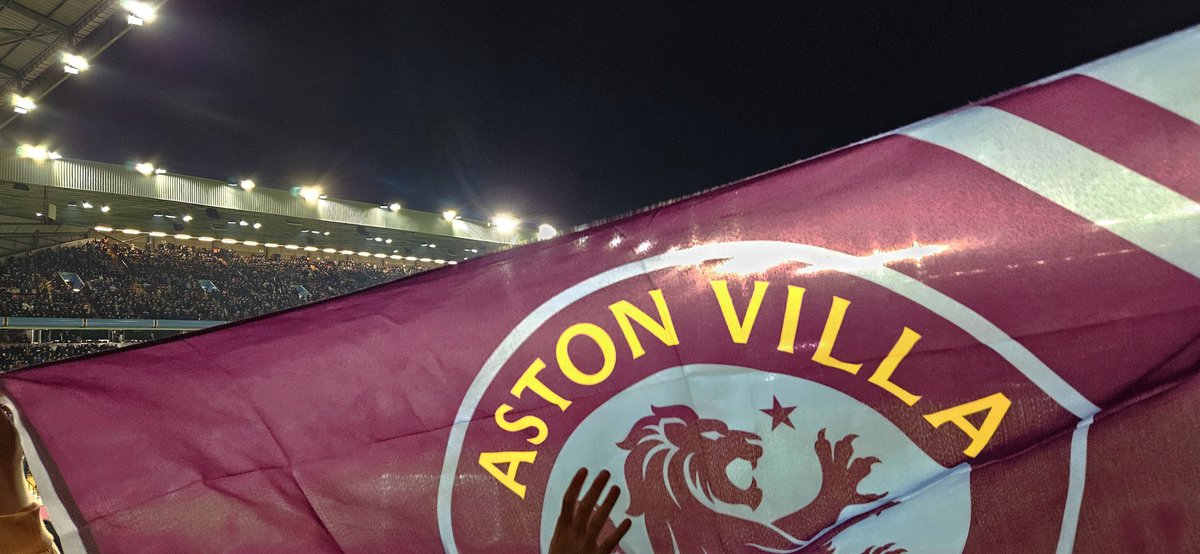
[843,450]
[601,516]
[583,510]
[610,542]
[569,498]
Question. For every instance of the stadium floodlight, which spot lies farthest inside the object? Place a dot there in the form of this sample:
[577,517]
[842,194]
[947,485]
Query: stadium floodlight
[310,248]
[396,257]
[74,63]
[310,193]
[329,250]
[365,254]
[104,228]
[159,171]
[380,255]
[450,215]
[378,239]
[346,252]
[326,233]
[388,241]
[440,261]
[37,153]
[182,236]
[410,258]
[250,242]
[157,234]
[432,245]
[257,225]
[271,245]
[426,260]
[247,185]
[452,262]
[323,196]
[131,231]
[505,223]
[37,214]
[394,206]
[86,205]
[205,239]
[140,13]
[244,223]
[187,218]
[229,241]
[144,168]
[105,209]
[546,231]
[23,104]
[291,246]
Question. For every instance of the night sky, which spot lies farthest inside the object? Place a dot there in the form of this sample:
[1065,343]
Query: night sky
[557,111]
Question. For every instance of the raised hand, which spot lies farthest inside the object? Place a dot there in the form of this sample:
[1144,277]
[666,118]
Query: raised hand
[841,472]
[581,521]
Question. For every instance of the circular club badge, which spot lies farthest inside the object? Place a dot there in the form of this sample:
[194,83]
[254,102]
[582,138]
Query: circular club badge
[747,397]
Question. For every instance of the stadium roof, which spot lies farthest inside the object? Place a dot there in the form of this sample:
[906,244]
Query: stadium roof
[34,35]
[70,194]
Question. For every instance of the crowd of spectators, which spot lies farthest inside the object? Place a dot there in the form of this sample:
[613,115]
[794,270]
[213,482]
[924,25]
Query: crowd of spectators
[171,281]
[16,356]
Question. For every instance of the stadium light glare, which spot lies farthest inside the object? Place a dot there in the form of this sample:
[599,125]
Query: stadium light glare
[160,171]
[247,185]
[131,231]
[546,231]
[23,104]
[452,262]
[86,205]
[250,242]
[271,245]
[346,252]
[449,215]
[310,248]
[310,193]
[378,239]
[291,246]
[105,209]
[440,261]
[257,225]
[329,250]
[229,241]
[380,255]
[144,168]
[187,218]
[410,258]
[365,254]
[244,223]
[326,233]
[183,236]
[205,239]
[37,153]
[394,206]
[396,257]
[157,234]
[505,223]
[140,13]
[388,241]
[37,214]
[426,260]
[74,63]
[104,228]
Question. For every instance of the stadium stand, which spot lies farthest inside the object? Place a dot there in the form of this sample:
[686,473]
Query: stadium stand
[105,278]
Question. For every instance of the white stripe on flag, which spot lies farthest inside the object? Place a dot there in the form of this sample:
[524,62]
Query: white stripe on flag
[1165,72]
[1155,218]
[1070,519]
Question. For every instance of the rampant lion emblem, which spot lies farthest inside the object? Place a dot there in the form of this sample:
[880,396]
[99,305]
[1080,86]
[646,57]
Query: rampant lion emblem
[675,471]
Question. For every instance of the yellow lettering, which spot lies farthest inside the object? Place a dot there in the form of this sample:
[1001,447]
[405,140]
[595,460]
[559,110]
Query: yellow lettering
[833,324]
[739,331]
[521,424]
[508,478]
[665,331]
[607,349]
[530,381]
[883,374]
[791,318]
[996,406]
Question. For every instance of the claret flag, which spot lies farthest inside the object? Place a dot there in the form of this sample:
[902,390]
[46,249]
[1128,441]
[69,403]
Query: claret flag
[978,333]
